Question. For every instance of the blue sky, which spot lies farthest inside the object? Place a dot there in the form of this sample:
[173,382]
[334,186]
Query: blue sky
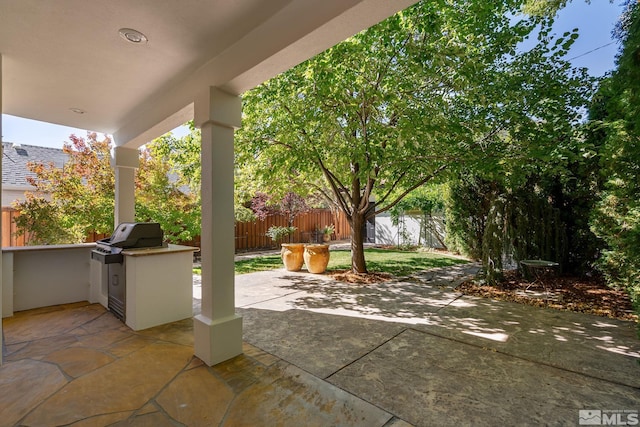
[595,22]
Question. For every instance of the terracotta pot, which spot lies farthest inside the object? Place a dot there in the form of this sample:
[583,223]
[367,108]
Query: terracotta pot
[326,237]
[316,258]
[292,256]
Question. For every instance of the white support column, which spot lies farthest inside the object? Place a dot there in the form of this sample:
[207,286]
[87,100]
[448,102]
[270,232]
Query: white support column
[125,161]
[217,330]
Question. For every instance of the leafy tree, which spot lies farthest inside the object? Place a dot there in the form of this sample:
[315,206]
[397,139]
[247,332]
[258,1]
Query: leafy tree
[293,205]
[615,116]
[468,206]
[437,87]
[69,203]
[545,217]
[262,206]
[160,198]
[182,156]
[44,222]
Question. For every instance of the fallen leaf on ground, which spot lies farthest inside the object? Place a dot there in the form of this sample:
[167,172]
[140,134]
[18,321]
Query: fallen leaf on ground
[581,294]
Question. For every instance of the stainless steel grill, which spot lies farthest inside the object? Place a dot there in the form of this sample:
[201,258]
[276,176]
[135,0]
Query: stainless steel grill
[128,235]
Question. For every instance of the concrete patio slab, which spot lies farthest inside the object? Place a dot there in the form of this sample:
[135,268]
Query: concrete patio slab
[596,346]
[428,380]
[411,300]
[431,356]
[265,286]
[316,342]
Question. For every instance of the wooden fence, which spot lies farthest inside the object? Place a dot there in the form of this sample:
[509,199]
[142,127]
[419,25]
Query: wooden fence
[10,229]
[248,235]
[253,235]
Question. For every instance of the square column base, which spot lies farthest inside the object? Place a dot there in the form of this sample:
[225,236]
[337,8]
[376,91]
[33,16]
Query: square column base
[217,340]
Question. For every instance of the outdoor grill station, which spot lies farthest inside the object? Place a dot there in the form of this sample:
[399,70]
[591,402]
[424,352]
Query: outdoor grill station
[141,279]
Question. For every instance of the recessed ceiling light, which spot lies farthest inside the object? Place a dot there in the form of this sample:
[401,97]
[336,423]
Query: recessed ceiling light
[132,36]
[77,110]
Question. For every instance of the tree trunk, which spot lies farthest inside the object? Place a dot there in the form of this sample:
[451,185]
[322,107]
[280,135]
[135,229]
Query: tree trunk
[358,263]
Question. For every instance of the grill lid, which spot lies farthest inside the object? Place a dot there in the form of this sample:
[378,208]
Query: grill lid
[135,235]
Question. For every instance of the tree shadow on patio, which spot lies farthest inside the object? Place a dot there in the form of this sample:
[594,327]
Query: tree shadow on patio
[603,348]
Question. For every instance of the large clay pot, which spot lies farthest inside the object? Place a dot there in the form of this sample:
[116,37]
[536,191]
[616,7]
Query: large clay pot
[316,258]
[292,256]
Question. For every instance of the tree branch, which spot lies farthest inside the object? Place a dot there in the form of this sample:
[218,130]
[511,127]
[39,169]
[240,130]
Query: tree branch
[410,189]
[392,187]
[336,186]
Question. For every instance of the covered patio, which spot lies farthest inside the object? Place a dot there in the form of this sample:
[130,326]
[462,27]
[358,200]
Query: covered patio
[136,70]
[319,352]
[267,348]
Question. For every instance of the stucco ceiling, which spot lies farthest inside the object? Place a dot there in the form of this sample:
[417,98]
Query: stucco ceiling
[59,55]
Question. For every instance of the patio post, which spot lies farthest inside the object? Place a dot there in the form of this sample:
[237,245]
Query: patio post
[217,330]
[125,161]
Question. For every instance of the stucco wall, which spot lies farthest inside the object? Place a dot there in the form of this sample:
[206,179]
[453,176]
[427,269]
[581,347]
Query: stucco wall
[409,231]
[41,276]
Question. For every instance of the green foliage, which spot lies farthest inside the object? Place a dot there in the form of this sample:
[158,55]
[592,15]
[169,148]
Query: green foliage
[531,195]
[426,90]
[328,229]
[160,198]
[73,201]
[615,116]
[45,224]
[427,199]
[182,156]
[70,202]
[278,233]
[544,217]
[467,208]
[543,7]
[243,214]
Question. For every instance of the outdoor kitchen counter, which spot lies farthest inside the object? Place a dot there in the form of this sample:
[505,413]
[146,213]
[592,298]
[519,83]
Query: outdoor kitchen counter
[158,285]
[47,247]
[159,251]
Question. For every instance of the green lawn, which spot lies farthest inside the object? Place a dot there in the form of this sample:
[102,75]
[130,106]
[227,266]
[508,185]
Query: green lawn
[396,262]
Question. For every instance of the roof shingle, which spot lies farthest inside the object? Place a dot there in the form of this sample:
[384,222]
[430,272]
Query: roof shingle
[16,156]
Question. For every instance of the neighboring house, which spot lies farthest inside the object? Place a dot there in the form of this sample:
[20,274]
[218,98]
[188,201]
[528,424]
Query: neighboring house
[15,171]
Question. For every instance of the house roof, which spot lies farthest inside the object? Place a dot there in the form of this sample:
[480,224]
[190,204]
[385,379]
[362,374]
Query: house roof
[16,156]
[65,61]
